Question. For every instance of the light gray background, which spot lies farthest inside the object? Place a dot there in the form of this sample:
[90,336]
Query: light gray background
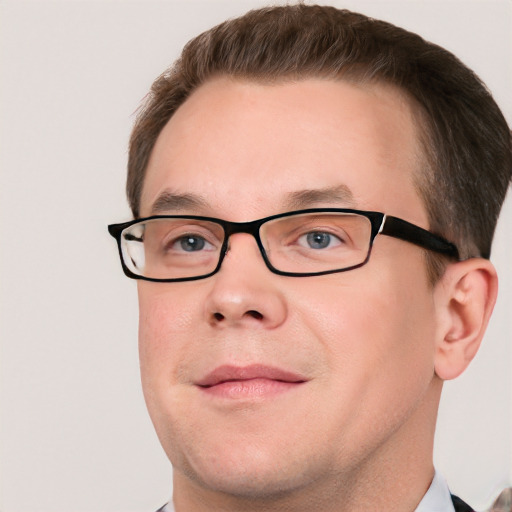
[75,435]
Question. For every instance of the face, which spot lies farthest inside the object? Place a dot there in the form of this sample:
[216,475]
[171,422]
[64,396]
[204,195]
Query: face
[260,384]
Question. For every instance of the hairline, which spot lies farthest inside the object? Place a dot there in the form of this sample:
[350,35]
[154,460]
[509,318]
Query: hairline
[422,171]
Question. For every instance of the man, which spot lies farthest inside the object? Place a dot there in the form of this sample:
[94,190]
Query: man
[315,195]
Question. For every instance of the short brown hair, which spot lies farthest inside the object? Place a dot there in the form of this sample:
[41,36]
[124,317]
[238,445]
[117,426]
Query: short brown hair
[466,139]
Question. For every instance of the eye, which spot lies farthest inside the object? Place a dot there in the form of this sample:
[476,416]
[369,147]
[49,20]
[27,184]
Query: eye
[319,240]
[190,243]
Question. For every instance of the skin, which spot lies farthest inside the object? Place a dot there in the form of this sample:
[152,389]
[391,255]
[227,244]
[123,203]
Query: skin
[372,344]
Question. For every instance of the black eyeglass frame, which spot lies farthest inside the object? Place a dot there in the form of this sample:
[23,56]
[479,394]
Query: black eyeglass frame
[380,224]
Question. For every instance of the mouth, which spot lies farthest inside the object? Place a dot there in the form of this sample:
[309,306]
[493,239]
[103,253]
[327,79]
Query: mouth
[254,381]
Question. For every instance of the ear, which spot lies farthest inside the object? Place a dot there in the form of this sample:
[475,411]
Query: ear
[464,299]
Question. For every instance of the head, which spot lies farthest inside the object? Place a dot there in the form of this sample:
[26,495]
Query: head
[268,387]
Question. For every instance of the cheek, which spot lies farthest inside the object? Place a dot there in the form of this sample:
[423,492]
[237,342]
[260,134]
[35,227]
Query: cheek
[164,326]
[377,332]
[378,343]
[165,330]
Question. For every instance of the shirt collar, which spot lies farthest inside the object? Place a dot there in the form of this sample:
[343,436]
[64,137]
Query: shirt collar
[437,498]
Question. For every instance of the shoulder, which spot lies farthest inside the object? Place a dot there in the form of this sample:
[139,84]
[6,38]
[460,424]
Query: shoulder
[460,506]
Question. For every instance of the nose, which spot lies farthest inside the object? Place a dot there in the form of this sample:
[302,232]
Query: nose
[244,291]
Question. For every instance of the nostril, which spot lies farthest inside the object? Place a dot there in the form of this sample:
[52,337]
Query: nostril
[218,316]
[255,314]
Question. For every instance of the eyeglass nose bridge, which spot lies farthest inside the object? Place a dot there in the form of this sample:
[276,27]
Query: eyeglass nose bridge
[250,228]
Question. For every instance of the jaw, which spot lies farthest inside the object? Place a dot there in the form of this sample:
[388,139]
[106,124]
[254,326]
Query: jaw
[398,471]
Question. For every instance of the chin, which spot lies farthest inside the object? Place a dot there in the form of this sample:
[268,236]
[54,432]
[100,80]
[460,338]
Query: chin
[245,471]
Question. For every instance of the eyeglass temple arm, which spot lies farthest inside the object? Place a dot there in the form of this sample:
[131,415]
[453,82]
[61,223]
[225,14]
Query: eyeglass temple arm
[398,228]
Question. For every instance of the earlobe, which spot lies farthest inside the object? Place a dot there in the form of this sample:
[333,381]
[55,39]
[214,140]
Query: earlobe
[464,297]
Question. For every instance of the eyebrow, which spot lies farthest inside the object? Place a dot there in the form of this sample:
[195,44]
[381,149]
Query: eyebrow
[306,198]
[169,201]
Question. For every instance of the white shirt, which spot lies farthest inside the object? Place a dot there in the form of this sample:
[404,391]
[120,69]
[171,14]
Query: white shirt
[437,498]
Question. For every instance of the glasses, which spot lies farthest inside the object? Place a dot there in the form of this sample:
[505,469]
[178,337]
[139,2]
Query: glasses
[301,243]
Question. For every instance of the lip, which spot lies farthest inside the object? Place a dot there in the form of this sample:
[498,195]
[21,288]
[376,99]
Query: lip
[254,381]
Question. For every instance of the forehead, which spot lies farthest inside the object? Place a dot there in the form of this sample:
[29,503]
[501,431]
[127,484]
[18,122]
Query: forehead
[244,148]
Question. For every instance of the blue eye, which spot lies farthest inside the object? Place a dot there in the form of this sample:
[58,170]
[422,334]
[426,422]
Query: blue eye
[191,243]
[319,240]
